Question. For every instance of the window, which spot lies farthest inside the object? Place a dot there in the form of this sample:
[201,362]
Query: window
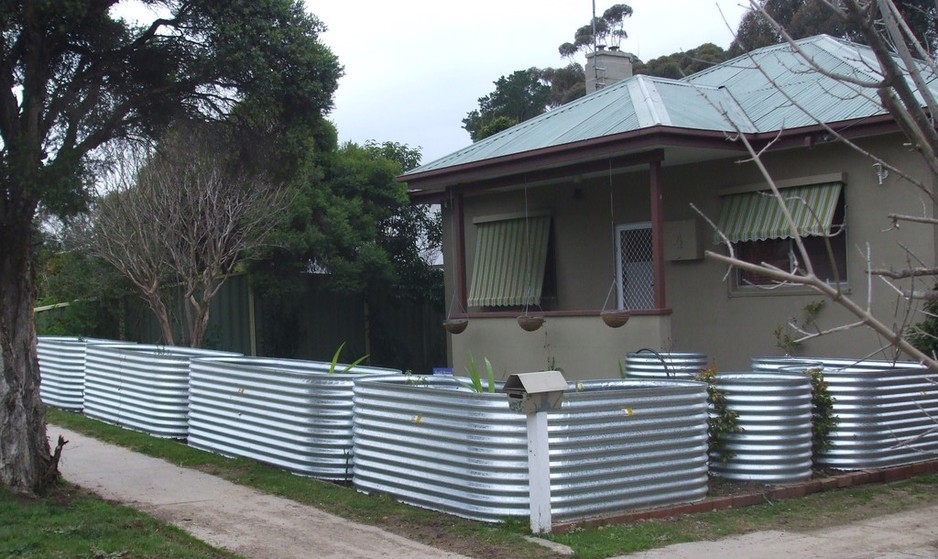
[510,261]
[755,224]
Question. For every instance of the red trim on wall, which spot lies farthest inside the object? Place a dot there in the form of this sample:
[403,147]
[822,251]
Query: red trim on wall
[657,232]
[558,314]
[459,220]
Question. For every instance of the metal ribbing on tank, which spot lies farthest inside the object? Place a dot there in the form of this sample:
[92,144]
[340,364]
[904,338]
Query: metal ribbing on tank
[887,412]
[626,445]
[615,445]
[142,387]
[290,413]
[62,369]
[774,413]
[647,363]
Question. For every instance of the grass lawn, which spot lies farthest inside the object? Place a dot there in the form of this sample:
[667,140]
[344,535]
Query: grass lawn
[69,522]
[504,540]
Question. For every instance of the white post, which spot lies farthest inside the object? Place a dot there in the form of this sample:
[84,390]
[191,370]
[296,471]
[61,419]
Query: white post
[539,472]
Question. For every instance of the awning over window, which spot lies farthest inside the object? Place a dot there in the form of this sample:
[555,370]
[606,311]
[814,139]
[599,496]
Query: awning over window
[510,258]
[757,216]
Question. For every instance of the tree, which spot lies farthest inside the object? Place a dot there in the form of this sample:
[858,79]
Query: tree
[610,27]
[75,78]
[412,235]
[352,222]
[333,225]
[761,26]
[566,84]
[681,64]
[906,67]
[66,273]
[517,98]
[186,213]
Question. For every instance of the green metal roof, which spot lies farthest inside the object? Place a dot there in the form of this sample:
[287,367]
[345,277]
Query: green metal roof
[767,90]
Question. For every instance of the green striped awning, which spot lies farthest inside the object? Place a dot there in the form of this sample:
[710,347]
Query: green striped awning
[757,216]
[510,258]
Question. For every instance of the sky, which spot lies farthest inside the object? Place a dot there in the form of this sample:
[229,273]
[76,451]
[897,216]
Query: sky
[414,68]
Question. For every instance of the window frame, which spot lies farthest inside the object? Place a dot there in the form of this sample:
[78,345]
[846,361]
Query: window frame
[838,230]
[548,285]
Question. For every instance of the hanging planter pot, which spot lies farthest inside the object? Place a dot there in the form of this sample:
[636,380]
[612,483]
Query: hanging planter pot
[455,325]
[616,318]
[530,323]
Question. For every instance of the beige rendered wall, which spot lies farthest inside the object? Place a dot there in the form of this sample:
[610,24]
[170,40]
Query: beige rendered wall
[707,315]
[582,225]
[582,347]
[733,326]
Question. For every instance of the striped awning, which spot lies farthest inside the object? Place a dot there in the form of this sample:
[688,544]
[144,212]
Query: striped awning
[510,258]
[757,216]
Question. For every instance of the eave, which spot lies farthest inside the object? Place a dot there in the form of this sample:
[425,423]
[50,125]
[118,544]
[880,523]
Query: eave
[618,151]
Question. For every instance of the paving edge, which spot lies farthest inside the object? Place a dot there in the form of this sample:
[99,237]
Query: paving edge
[839,481]
[553,546]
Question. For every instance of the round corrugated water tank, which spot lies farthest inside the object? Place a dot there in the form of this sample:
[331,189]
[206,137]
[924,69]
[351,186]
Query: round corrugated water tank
[884,410]
[647,363]
[774,415]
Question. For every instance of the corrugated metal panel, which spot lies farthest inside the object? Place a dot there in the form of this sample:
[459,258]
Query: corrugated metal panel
[647,363]
[615,445]
[62,372]
[292,414]
[143,387]
[774,412]
[779,90]
[627,445]
[886,411]
[611,110]
[757,216]
[62,369]
[511,255]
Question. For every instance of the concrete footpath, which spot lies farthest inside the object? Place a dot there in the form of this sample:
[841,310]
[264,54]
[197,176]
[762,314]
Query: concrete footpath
[223,514]
[257,525]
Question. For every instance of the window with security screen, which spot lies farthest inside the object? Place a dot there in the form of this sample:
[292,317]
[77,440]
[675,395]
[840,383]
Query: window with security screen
[635,275]
[759,232]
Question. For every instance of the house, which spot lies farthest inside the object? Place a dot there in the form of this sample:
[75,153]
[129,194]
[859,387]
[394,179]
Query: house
[606,202]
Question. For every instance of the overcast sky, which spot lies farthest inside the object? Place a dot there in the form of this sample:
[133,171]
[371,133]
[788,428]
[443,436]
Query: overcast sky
[414,68]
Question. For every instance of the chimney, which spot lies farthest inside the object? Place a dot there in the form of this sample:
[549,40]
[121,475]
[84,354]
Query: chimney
[606,67]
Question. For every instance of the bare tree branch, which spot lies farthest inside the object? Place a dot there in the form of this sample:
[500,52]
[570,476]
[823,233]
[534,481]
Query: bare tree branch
[190,217]
[908,273]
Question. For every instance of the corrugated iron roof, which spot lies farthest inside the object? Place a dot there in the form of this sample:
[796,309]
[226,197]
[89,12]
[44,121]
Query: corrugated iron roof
[767,90]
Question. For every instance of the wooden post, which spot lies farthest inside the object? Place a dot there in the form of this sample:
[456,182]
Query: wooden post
[539,472]
[657,233]
[459,243]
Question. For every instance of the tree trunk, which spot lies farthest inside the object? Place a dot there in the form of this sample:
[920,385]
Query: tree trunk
[155,302]
[198,325]
[25,458]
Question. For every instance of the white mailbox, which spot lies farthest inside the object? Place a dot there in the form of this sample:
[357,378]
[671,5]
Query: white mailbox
[534,392]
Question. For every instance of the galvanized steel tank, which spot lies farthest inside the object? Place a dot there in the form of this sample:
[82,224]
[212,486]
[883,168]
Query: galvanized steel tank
[62,369]
[774,412]
[290,413]
[142,387]
[614,446]
[887,412]
[647,363]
